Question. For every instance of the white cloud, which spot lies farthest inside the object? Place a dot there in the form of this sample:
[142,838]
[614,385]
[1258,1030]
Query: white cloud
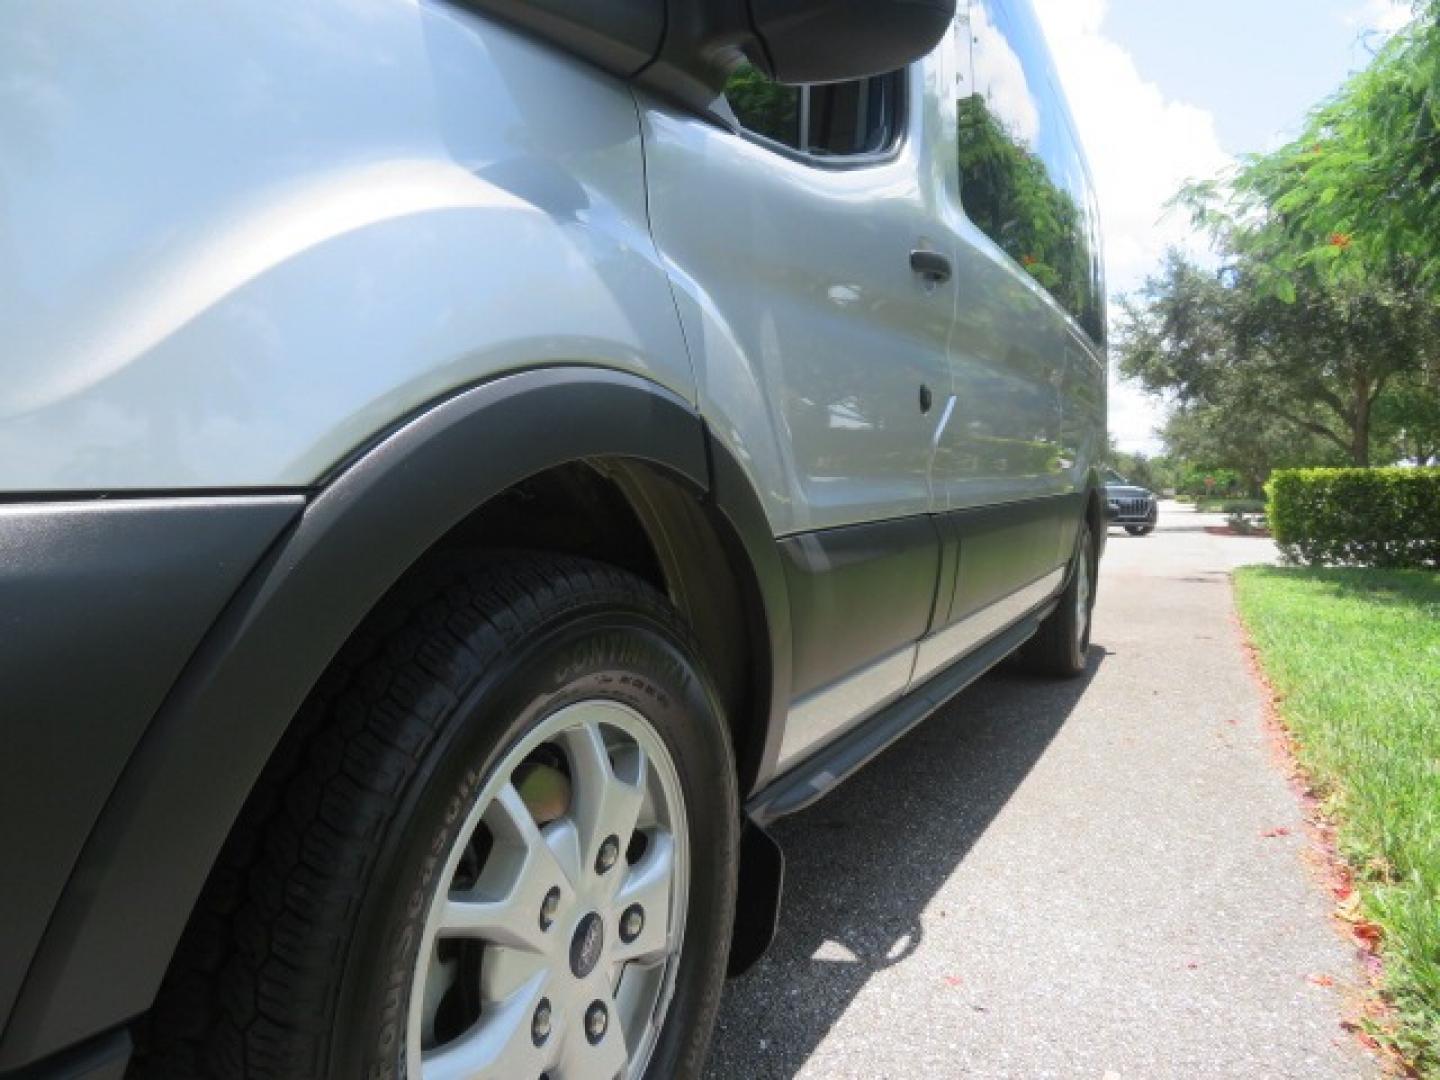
[1142,147]
[1386,16]
[999,70]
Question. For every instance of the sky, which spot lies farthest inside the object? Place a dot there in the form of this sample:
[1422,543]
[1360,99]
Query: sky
[1168,90]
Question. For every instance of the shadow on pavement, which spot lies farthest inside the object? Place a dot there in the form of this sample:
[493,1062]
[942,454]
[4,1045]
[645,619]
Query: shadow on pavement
[862,865]
[1120,536]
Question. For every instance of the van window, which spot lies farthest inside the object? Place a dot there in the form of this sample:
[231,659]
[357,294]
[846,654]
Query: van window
[839,120]
[1023,177]
[852,118]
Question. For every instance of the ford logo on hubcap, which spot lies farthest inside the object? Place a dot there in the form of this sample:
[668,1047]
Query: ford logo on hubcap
[585,949]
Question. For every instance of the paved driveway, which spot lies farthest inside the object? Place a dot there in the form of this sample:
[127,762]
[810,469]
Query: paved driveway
[1065,879]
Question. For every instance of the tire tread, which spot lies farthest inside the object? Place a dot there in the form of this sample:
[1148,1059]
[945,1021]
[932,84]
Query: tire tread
[1052,650]
[251,987]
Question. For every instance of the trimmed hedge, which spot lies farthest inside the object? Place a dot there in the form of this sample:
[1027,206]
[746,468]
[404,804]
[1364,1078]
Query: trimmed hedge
[1357,517]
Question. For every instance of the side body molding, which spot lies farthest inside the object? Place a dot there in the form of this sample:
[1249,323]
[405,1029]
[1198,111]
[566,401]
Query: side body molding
[151,850]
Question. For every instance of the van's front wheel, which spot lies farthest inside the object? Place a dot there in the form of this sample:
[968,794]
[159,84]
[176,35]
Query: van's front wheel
[506,848]
[552,940]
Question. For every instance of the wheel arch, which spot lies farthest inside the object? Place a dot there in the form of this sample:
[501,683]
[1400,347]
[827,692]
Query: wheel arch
[153,847]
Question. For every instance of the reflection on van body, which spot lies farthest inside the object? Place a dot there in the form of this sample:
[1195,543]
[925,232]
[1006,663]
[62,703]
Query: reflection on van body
[1023,178]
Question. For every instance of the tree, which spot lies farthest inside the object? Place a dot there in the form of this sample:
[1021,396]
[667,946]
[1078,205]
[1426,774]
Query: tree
[1324,360]
[1407,417]
[1321,334]
[1251,443]
[1155,473]
[1317,360]
[1359,190]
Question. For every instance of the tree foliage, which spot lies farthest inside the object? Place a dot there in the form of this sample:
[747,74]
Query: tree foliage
[1248,443]
[1156,473]
[1239,360]
[1358,191]
[1407,416]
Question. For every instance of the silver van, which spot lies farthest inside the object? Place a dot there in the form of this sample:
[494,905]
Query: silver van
[466,468]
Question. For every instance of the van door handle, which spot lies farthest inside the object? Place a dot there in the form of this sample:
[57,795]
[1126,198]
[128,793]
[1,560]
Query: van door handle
[934,267]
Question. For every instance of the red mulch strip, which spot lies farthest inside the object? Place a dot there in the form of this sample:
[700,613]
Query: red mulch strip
[1370,1013]
[1226,530]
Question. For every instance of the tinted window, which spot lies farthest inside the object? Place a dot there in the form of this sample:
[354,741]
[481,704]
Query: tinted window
[839,120]
[1023,178]
[852,118]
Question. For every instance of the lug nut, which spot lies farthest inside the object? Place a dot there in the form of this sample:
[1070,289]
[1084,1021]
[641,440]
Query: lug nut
[631,923]
[596,1021]
[549,907]
[609,852]
[540,1024]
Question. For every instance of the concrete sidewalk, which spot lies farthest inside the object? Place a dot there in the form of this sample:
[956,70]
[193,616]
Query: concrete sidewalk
[1087,879]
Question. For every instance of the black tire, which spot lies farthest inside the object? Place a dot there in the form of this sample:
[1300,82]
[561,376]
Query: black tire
[1061,646]
[298,960]
[1139,530]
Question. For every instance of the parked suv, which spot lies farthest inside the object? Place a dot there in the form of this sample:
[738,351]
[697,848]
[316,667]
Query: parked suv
[1130,506]
[468,468]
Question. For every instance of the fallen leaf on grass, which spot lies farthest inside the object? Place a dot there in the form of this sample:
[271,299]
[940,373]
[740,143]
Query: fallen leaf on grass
[1349,908]
[1367,931]
[1358,1030]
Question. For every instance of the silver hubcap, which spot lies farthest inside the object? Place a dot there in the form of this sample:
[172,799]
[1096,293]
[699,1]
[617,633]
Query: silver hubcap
[551,947]
[1082,597]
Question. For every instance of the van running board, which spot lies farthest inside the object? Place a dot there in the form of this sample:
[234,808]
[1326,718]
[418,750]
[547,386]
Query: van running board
[811,780]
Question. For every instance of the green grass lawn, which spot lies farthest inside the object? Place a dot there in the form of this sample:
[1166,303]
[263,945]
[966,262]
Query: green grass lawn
[1355,657]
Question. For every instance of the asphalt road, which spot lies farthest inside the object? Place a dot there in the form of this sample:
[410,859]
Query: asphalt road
[1065,879]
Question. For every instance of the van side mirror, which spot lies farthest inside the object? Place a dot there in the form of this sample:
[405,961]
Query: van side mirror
[822,41]
[792,41]
[685,49]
